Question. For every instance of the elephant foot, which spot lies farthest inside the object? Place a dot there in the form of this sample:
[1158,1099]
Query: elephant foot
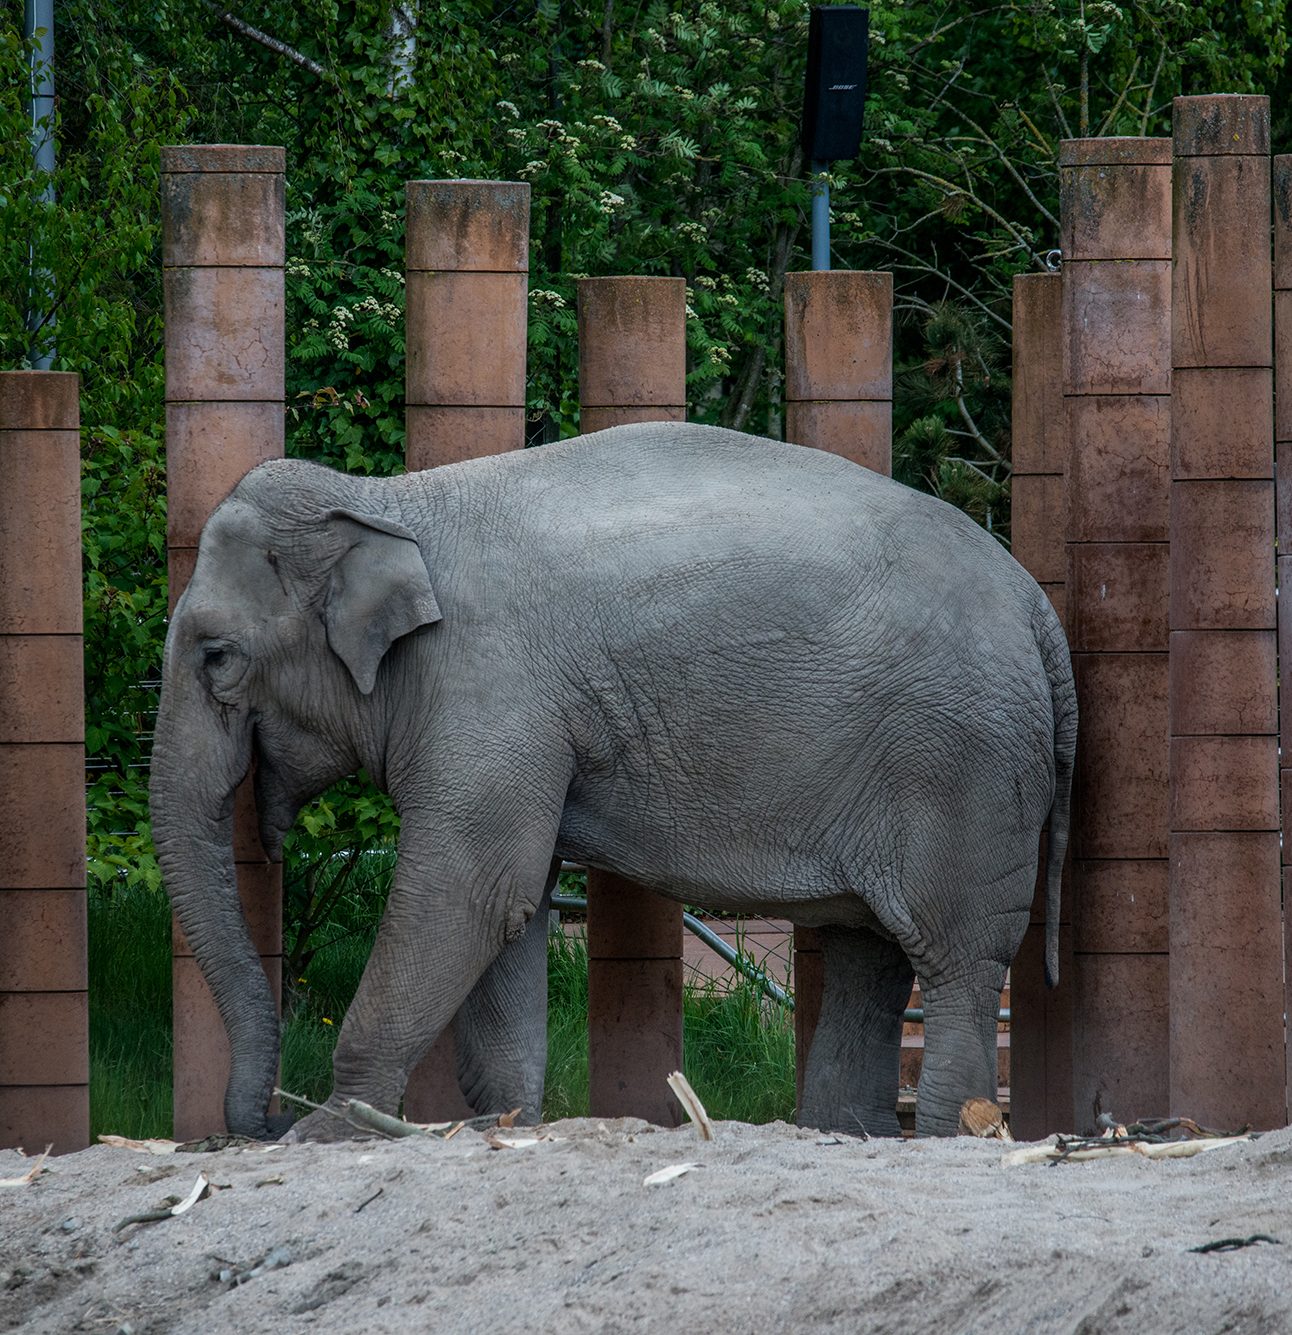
[326,1125]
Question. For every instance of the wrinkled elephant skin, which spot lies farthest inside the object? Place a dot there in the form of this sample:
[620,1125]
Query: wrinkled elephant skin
[749,675]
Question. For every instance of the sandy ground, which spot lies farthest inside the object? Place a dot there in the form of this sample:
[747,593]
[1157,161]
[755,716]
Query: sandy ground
[777,1229]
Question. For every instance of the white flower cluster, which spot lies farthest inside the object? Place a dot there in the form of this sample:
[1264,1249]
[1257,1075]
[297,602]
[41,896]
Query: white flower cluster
[704,280]
[338,334]
[517,135]
[609,201]
[595,65]
[628,142]
[544,296]
[297,269]
[608,123]
[693,231]
[533,167]
[510,108]
[757,279]
[383,310]
[394,275]
[388,219]
[720,356]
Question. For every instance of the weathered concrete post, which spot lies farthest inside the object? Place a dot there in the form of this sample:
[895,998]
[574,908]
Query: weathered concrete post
[467,259]
[44,1019]
[632,368]
[223,252]
[1040,1031]
[838,397]
[1116,220]
[1282,190]
[1228,1060]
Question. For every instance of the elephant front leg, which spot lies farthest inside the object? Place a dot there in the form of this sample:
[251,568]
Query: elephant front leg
[500,1031]
[853,1068]
[448,918]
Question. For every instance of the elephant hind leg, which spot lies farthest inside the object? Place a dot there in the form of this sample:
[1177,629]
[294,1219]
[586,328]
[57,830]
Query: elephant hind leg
[855,1062]
[500,1030]
[960,1016]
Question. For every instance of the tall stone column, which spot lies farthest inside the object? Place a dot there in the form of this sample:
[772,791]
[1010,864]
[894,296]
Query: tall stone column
[1116,220]
[467,261]
[467,283]
[632,368]
[1282,189]
[223,250]
[838,397]
[44,1022]
[1040,1031]
[1228,1058]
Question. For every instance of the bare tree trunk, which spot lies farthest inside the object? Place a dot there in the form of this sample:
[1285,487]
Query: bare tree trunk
[402,35]
[607,32]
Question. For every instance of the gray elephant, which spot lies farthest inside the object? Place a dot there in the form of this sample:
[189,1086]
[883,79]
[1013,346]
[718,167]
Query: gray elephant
[748,675]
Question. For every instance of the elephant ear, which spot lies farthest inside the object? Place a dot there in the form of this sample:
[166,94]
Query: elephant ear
[379,590]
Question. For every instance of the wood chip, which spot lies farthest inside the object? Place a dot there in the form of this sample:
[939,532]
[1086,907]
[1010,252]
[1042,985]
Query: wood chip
[508,1119]
[496,1142]
[983,1118]
[691,1104]
[189,1201]
[674,1170]
[142,1146]
[31,1174]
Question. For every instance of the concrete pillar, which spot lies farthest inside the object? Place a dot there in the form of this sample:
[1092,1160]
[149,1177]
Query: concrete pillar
[467,260]
[632,368]
[838,397]
[1282,190]
[1115,199]
[222,255]
[1040,1031]
[1228,1060]
[44,1022]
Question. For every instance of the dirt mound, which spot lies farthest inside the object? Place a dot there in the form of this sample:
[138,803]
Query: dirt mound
[775,1228]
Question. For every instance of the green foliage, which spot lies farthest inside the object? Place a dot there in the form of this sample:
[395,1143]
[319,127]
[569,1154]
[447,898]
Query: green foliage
[130,1002]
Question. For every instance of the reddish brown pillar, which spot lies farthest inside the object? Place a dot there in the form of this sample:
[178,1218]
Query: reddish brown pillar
[467,259]
[1282,183]
[632,368]
[467,256]
[222,252]
[44,1024]
[1040,1031]
[1115,197]
[838,397]
[1228,1062]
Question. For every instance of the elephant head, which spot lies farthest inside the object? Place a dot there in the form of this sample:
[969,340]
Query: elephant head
[302,584]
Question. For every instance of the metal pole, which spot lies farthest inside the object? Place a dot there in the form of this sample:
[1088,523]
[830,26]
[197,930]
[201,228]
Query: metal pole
[820,216]
[39,18]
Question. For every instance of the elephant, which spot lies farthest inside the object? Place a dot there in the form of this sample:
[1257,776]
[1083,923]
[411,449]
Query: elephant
[745,674]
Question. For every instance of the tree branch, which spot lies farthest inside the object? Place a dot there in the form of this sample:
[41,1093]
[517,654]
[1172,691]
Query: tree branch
[245,29]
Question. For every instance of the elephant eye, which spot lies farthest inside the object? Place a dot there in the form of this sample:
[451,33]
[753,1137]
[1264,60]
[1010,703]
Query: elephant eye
[213,657]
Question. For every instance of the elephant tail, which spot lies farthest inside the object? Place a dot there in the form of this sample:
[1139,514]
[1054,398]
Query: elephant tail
[1063,696]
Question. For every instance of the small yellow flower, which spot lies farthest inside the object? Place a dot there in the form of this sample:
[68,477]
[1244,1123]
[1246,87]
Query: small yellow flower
[302,980]
[326,1020]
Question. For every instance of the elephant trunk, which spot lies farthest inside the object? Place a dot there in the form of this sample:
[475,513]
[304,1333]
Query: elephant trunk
[191,799]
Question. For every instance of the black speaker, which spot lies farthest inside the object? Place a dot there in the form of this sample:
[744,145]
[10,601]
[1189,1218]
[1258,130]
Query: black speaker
[834,101]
